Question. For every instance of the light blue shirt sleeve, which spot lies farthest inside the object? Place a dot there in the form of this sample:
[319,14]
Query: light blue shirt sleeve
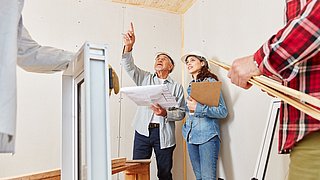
[36,58]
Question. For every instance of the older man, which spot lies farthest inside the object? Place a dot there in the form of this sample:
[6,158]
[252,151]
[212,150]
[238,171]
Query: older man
[154,126]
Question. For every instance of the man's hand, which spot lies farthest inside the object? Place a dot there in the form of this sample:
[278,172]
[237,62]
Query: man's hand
[158,110]
[129,39]
[242,70]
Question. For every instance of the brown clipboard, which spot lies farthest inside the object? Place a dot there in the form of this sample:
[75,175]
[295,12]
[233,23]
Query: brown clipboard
[207,93]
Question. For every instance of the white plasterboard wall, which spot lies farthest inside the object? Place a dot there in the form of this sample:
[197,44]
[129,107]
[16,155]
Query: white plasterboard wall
[226,30]
[223,29]
[67,24]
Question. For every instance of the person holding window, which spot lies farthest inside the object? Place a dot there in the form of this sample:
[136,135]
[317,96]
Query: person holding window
[17,47]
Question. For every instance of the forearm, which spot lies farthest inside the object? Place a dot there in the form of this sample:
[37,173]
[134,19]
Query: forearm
[220,111]
[36,58]
[45,60]
[137,75]
[127,48]
[175,114]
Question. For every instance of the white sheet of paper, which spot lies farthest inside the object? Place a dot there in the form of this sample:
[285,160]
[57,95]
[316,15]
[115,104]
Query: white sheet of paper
[152,94]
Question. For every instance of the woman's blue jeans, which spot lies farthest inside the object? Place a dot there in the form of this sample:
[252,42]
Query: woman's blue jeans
[204,158]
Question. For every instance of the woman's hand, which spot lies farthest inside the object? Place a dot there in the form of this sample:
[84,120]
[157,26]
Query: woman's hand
[191,103]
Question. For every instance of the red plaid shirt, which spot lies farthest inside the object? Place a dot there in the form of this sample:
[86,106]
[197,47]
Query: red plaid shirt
[293,56]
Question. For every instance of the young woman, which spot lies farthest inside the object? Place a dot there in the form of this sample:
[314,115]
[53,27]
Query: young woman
[201,129]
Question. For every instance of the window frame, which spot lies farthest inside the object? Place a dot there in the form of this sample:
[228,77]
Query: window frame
[90,66]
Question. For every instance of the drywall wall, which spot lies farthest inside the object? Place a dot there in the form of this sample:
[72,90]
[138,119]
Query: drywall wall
[226,30]
[222,29]
[67,24]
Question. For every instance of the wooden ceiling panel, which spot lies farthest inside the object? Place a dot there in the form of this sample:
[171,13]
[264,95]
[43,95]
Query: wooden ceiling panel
[173,6]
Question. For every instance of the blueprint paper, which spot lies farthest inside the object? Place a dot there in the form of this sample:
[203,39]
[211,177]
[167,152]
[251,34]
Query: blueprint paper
[152,94]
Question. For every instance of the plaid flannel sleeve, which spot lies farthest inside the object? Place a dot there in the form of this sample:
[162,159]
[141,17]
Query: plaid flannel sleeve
[298,41]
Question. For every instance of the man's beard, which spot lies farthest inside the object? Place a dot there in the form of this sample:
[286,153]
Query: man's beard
[158,68]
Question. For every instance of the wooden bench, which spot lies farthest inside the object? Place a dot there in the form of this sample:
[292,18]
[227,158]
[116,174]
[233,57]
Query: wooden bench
[135,169]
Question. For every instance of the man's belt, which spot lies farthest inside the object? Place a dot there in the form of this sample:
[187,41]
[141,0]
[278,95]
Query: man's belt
[154,125]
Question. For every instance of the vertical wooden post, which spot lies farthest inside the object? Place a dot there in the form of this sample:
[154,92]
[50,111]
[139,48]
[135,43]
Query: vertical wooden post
[183,75]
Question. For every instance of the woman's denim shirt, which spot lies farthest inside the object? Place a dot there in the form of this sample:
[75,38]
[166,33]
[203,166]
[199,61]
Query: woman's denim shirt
[204,123]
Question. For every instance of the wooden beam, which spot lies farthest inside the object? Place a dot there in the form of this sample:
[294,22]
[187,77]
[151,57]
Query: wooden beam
[286,94]
[48,175]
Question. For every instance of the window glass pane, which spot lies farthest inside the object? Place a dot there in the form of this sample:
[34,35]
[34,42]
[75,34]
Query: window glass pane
[82,159]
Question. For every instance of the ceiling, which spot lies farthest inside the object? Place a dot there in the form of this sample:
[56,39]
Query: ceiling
[173,6]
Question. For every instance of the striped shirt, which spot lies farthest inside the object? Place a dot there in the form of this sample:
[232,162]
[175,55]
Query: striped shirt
[292,55]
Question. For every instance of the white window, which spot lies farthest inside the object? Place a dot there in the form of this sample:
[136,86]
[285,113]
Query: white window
[85,121]
[269,163]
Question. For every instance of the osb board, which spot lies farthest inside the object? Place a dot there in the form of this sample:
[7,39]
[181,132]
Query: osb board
[173,6]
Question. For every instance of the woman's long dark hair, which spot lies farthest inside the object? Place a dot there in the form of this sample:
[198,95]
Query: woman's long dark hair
[204,71]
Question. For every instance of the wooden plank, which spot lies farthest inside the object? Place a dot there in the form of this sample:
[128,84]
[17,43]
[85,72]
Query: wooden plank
[134,165]
[147,161]
[47,175]
[142,172]
[125,167]
[116,162]
[292,92]
[284,93]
